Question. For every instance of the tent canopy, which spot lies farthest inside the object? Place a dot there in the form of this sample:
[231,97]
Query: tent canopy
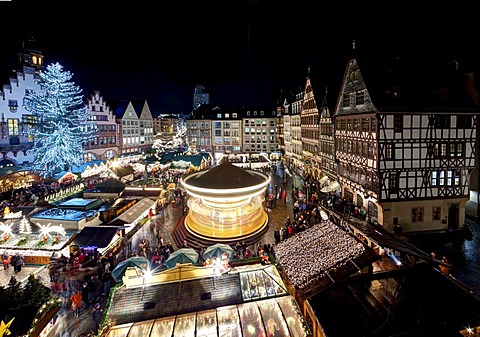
[182,255]
[217,251]
[140,262]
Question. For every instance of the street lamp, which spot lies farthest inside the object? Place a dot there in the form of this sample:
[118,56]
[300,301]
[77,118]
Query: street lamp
[146,274]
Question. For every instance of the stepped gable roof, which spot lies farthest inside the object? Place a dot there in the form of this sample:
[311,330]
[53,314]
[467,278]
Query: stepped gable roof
[226,176]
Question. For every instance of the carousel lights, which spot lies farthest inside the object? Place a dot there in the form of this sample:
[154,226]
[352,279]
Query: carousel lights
[235,191]
[225,198]
[226,205]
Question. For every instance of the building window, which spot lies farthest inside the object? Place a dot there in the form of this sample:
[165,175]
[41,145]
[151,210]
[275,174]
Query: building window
[234,115]
[436,213]
[389,151]
[393,182]
[346,100]
[398,123]
[442,178]
[219,115]
[434,178]
[12,127]
[13,105]
[360,97]
[365,124]
[440,121]
[417,214]
[456,150]
[456,180]
[464,121]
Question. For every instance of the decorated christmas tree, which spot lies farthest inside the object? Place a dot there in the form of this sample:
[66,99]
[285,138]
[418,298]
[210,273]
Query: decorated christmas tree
[62,122]
[25,227]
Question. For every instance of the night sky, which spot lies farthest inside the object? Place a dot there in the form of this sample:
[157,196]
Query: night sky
[243,51]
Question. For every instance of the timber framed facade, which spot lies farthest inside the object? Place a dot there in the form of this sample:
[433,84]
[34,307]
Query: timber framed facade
[406,167]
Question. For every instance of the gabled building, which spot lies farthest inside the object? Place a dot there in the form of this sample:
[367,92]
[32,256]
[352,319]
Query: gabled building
[145,123]
[405,142]
[280,129]
[294,107]
[287,137]
[135,124]
[106,143]
[16,122]
[310,132]
[326,149]
[128,126]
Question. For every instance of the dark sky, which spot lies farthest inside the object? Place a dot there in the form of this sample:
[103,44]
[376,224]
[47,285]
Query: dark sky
[242,51]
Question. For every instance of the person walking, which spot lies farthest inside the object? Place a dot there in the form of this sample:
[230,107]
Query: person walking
[97,316]
[6,260]
[106,279]
[76,299]
[17,262]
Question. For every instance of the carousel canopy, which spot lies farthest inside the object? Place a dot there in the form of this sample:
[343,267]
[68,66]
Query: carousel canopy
[226,176]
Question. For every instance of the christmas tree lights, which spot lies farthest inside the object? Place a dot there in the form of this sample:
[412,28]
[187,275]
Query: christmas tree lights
[62,122]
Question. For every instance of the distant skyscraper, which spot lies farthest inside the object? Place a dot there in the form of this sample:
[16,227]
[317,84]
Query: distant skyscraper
[200,97]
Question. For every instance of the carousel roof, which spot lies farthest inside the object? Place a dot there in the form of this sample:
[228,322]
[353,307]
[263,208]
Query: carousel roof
[226,176]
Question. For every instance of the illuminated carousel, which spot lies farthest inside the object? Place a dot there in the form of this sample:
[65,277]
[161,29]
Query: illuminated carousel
[226,204]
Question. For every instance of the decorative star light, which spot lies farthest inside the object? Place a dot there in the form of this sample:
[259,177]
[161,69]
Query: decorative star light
[46,230]
[6,229]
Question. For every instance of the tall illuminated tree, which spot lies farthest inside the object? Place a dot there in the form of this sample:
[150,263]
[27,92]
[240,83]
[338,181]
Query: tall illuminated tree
[62,122]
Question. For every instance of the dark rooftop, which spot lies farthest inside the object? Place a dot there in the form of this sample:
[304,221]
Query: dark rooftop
[226,176]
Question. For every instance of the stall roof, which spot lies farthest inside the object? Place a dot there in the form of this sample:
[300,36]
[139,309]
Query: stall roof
[95,236]
[131,214]
[386,239]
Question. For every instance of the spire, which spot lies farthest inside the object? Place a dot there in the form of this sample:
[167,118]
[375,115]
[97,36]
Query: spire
[353,44]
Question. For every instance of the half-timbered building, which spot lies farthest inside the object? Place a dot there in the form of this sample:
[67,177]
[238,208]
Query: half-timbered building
[310,132]
[405,143]
[326,149]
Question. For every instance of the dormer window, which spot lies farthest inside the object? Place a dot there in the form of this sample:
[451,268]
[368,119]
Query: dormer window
[13,105]
[360,97]
[219,115]
[346,100]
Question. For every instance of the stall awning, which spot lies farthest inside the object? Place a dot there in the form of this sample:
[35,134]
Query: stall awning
[332,187]
[323,179]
